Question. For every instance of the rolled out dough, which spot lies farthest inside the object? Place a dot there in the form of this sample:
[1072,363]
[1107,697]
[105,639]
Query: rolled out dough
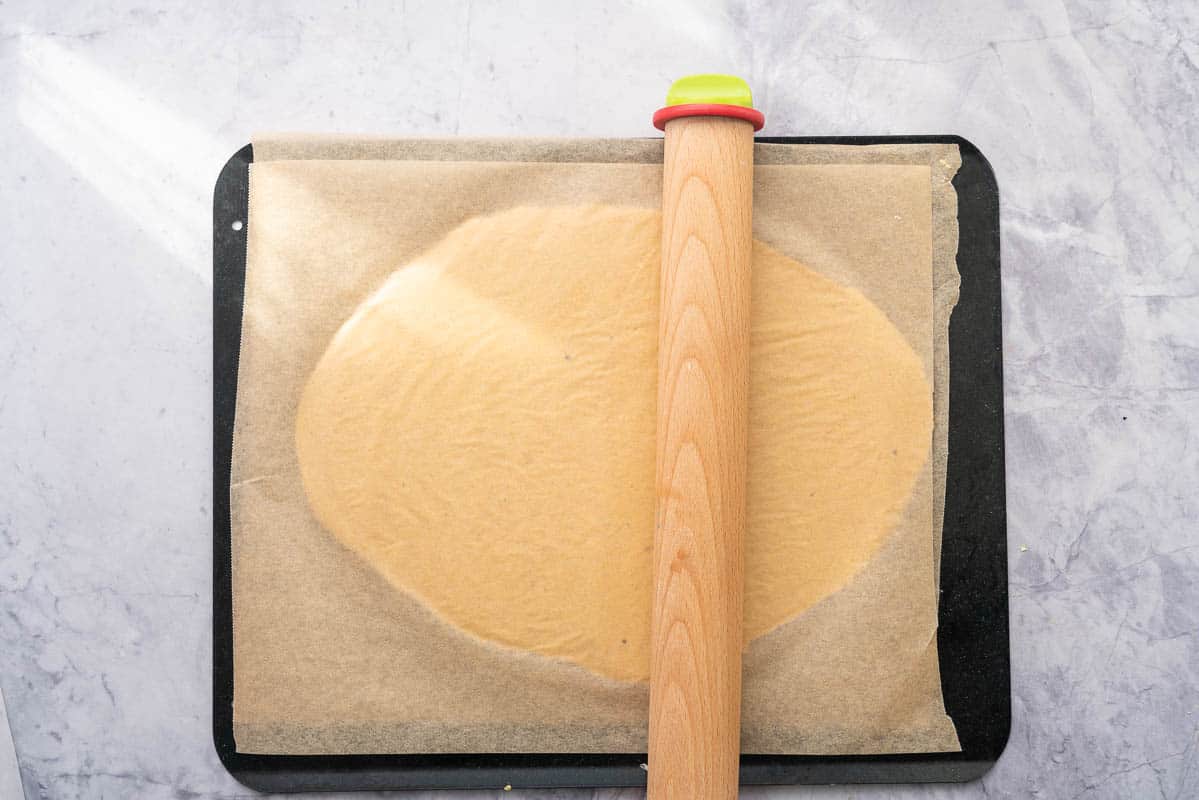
[481,431]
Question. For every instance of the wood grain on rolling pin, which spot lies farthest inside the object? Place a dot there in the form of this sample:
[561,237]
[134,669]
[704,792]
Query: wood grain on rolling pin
[696,639]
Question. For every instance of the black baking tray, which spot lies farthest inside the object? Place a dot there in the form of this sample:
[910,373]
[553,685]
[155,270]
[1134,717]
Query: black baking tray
[972,637]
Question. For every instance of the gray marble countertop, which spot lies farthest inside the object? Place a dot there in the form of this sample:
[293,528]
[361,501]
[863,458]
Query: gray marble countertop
[118,117]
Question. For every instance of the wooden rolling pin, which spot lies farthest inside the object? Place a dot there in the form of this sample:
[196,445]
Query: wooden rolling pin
[703,385]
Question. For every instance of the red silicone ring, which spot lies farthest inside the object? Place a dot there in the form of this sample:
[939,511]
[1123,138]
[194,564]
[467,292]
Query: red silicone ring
[664,115]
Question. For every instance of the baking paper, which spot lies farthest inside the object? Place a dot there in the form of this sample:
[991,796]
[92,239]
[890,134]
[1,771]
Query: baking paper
[330,658]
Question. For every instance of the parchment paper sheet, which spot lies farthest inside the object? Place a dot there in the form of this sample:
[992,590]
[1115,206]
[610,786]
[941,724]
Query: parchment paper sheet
[330,658]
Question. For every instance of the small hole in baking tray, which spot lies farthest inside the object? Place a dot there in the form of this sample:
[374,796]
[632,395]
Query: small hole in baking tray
[237,225]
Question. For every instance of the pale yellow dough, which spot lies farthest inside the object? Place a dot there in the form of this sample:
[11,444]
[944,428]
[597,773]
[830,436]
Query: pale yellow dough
[481,431]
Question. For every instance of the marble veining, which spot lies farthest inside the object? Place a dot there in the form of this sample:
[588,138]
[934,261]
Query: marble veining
[118,117]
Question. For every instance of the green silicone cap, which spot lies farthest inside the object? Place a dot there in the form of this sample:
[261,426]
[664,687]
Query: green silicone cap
[727,90]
